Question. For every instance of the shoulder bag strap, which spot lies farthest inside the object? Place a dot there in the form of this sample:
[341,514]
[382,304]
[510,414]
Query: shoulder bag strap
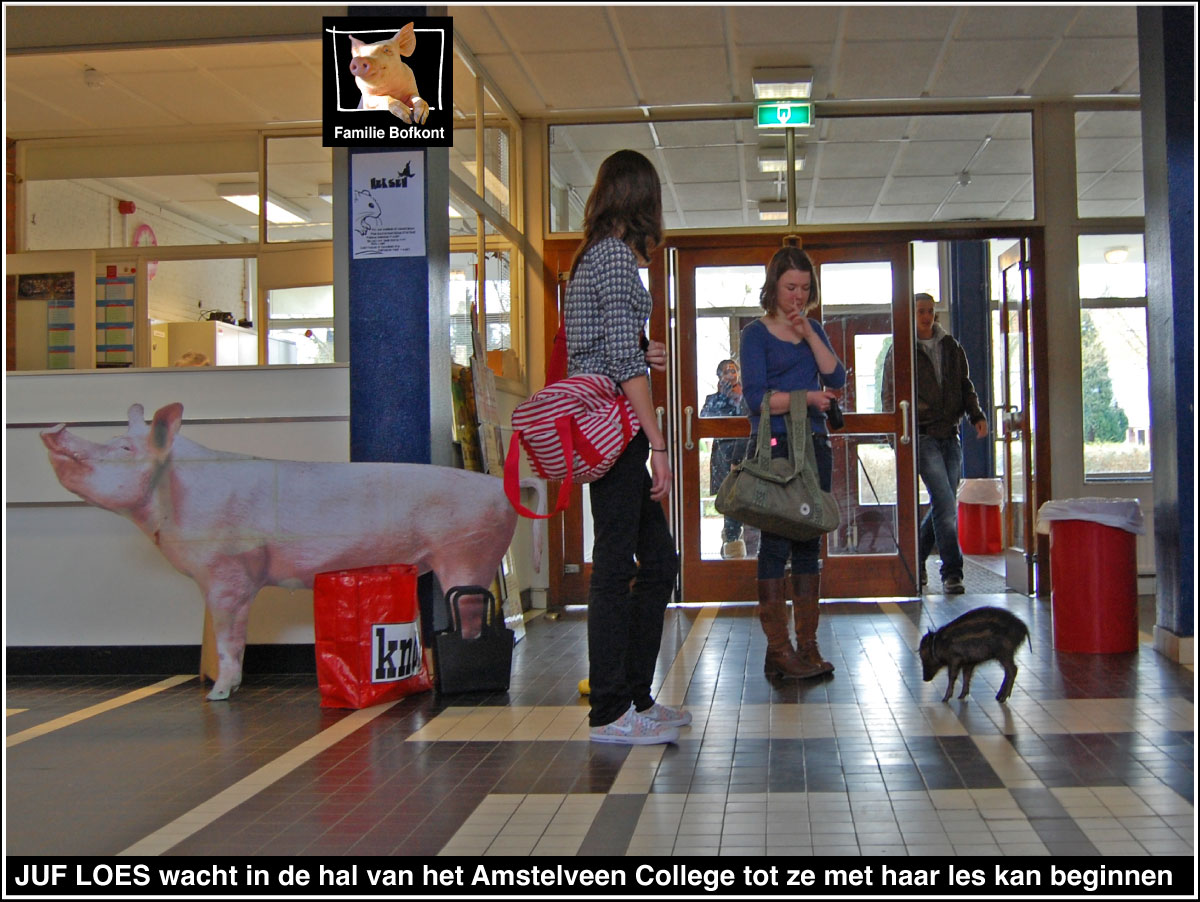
[512,482]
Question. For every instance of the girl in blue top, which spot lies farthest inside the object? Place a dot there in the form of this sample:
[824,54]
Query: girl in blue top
[786,351]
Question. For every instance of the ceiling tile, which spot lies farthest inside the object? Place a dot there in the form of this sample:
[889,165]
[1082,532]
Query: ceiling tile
[700,164]
[643,27]
[681,76]
[989,68]
[518,89]
[850,160]
[898,23]
[1097,21]
[784,24]
[847,192]
[534,29]
[1004,22]
[473,25]
[571,80]
[933,158]
[708,196]
[1087,65]
[884,69]
[917,190]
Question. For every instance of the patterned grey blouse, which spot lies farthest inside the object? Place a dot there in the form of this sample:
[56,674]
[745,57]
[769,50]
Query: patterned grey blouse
[606,310]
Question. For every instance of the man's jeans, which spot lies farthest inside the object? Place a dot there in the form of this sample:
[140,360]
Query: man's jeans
[940,464]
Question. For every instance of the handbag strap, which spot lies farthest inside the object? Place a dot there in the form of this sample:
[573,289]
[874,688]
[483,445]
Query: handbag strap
[490,614]
[796,421]
[512,465]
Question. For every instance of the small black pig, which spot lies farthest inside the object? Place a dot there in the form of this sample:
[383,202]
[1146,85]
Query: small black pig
[984,634]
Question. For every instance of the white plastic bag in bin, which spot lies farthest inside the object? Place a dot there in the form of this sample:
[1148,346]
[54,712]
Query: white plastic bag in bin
[981,491]
[1123,513]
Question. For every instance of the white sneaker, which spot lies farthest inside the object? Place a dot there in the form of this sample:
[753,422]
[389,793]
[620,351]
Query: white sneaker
[632,728]
[667,716]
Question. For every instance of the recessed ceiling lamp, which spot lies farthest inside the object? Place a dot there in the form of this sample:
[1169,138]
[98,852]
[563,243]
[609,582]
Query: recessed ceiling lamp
[325,192]
[1116,255]
[774,159]
[787,83]
[772,211]
[245,195]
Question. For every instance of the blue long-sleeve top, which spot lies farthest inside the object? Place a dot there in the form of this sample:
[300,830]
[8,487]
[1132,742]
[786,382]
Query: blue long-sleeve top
[772,363]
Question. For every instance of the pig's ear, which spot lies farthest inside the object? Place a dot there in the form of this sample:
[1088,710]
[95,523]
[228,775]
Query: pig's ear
[165,427]
[355,44]
[406,40]
[137,418]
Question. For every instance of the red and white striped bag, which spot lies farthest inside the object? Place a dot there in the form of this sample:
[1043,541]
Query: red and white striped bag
[574,430]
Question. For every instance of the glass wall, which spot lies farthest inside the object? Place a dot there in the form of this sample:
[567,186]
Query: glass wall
[1114,371]
[870,169]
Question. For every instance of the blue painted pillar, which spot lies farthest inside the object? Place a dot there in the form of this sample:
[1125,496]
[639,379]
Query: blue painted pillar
[1167,69]
[400,337]
[970,317]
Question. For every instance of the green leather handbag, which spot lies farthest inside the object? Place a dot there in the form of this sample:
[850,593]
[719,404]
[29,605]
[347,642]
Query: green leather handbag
[781,495]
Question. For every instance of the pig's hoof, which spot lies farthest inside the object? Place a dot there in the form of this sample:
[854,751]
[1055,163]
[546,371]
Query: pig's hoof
[420,110]
[400,110]
[221,693]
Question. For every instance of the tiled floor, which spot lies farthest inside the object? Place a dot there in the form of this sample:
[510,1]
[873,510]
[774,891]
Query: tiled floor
[1092,755]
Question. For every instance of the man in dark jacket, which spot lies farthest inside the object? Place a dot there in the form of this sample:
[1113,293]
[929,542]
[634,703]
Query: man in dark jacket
[944,396]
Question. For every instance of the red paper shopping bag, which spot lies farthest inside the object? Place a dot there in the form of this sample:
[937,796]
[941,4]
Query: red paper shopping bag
[368,636]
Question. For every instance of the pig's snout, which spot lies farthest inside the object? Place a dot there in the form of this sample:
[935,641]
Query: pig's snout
[360,67]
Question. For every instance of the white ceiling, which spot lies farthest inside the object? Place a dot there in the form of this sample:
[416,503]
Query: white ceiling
[556,61]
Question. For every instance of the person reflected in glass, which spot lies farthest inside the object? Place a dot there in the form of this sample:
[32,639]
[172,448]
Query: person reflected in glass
[727,401]
[786,350]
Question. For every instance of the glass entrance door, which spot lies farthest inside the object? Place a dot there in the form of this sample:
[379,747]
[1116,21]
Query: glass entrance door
[1014,433]
[865,310]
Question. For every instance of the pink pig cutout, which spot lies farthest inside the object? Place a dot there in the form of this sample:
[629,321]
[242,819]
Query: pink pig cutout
[386,82]
[236,523]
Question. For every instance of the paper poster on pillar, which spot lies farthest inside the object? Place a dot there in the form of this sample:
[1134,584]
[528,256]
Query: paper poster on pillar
[387,204]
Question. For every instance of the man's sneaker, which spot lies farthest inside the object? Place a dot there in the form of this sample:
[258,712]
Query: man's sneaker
[953,585]
[667,716]
[632,728]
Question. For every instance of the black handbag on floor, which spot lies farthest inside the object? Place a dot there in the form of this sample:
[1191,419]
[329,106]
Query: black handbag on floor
[482,664]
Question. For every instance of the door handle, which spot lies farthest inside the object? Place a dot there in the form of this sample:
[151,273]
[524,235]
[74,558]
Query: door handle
[687,443]
[660,411]
[905,436]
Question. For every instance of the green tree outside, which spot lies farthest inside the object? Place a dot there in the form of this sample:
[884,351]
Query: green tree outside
[1103,418]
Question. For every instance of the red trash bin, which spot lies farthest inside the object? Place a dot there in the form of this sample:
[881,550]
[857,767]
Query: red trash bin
[979,526]
[1093,573]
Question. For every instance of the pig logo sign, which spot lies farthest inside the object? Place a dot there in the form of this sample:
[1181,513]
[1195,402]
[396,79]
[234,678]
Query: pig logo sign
[388,81]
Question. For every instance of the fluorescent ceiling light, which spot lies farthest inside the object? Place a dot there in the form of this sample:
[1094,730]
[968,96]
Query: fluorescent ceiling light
[788,83]
[772,211]
[245,195]
[774,159]
[1116,255]
[325,192]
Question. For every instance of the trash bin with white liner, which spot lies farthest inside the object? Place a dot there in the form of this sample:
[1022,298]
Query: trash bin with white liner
[979,503]
[1093,571]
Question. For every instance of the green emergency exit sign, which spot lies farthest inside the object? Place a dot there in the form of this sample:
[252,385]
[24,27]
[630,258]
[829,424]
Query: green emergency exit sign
[784,114]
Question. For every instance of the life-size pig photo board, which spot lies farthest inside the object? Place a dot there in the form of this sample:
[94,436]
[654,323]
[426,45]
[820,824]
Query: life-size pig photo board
[236,523]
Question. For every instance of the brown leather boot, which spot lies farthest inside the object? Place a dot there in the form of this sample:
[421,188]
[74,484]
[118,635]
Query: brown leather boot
[772,614]
[806,592]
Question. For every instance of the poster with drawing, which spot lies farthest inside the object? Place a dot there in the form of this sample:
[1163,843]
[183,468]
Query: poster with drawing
[387,206]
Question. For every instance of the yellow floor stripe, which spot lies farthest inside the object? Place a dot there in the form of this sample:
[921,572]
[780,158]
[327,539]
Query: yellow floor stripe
[9,712]
[83,714]
[223,802]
